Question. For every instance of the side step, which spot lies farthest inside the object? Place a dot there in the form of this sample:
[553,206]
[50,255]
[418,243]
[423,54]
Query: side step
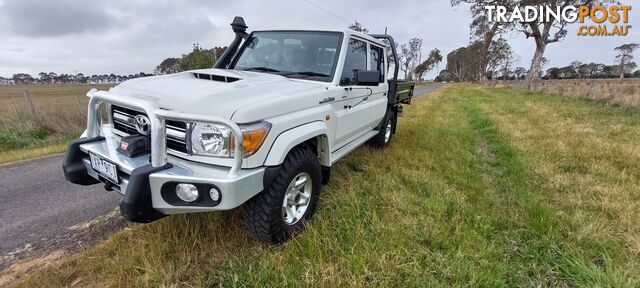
[344,150]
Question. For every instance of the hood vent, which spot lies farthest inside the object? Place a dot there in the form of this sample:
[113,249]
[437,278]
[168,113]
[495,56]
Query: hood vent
[218,78]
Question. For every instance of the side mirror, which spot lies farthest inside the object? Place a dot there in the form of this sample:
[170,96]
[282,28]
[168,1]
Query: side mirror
[367,78]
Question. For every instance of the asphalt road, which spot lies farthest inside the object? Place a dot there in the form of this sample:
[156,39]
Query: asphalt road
[419,91]
[37,203]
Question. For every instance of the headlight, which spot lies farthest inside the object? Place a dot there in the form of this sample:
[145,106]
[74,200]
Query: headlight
[211,139]
[217,140]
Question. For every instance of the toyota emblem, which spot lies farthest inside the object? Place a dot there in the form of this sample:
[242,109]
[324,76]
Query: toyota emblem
[143,125]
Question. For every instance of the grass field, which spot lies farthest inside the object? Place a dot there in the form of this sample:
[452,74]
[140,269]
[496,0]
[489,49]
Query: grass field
[59,114]
[481,187]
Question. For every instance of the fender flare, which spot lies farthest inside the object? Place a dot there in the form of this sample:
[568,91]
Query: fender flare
[295,136]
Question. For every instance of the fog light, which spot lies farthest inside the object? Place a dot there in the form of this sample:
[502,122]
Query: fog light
[187,192]
[214,194]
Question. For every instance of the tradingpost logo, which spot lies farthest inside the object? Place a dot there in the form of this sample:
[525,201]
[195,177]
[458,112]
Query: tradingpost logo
[607,21]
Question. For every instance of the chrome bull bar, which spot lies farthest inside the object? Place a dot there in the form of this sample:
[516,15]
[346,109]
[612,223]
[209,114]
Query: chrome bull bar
[157,119]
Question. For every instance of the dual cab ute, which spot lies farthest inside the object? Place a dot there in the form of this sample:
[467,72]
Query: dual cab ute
[262,128]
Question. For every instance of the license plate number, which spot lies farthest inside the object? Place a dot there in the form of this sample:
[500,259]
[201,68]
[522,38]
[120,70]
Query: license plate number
[104,167]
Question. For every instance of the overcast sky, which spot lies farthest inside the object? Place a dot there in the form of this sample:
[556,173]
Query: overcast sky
[131,36]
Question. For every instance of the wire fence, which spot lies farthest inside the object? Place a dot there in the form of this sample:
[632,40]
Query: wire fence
[56,108]
[620,91]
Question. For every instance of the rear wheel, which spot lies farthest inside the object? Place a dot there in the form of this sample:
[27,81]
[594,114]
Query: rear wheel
[383,138]
[283,208]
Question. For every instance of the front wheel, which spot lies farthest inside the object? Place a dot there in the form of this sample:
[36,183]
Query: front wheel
[283,208]
[383,138]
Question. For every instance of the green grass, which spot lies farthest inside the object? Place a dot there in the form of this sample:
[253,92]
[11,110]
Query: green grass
[481,187]
[20,144]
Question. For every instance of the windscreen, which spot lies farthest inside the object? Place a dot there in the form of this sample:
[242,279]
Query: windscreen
[296,54]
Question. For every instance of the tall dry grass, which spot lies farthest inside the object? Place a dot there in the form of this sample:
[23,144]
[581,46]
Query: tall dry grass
[480,187]
[625,91]
[59,114]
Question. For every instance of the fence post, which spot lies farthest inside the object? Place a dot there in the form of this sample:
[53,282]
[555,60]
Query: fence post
[29,99]
[80,107]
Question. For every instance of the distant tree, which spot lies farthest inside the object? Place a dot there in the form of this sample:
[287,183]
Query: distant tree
[52,77]
[198,58]
[636,74]
[217,52]
[507,65]
[578,70]
[81,78]
[544,33]
[168,66]
[576,67]
[435,56]
[520,72]
[64,78]
[463,63]
[625,58]
[607,71]
[500,57]
[552,73]
[483,30]
[44,77]
[356,26]
[403,53]
[22,78]
[568,72]
[390,58]
[432,60]
[408,54]
[589,70]
[543,63]
[444,75]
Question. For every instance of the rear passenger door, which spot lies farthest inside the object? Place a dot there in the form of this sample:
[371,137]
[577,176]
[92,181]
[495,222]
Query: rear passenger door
[377,103]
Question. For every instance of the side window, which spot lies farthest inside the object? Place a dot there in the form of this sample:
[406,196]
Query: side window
[355,60]
[377,61]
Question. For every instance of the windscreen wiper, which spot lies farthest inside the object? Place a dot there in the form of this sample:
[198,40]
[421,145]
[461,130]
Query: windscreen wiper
[306,73]
[261,68]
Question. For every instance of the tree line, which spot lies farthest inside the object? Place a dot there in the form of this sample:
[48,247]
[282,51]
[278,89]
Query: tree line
[464,65]
[579,70]
[489,55]
[409,54]
[196,59]
[54,78]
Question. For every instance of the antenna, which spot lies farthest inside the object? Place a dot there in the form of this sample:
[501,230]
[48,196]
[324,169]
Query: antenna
[385,30]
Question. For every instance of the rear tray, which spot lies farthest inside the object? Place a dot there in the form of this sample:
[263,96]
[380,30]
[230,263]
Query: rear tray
[404,92]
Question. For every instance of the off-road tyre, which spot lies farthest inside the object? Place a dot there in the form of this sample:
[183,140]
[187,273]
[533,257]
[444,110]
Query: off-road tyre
[264,213]
[384,136]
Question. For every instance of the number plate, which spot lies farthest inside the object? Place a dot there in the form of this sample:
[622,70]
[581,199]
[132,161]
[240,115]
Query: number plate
[105,168]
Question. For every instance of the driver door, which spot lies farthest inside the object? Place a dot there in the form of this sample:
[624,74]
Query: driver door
[351,109]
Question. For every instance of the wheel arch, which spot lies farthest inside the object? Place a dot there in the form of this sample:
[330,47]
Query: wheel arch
[314,134]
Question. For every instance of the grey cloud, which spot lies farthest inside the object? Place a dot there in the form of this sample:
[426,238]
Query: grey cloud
[33,18]
[129,36]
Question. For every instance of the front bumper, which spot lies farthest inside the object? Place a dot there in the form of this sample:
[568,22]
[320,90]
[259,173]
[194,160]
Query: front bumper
[142,185]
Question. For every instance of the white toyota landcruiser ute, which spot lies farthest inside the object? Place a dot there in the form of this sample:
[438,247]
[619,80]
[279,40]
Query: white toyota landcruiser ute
[262,128]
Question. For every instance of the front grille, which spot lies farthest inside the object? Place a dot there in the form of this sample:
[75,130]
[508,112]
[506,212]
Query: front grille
[124,123]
